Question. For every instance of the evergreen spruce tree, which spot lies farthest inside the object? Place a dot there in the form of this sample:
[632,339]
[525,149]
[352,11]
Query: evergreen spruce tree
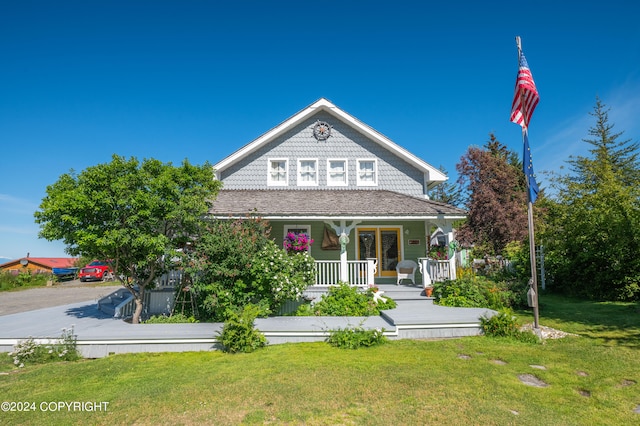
[594,233]
[446,192]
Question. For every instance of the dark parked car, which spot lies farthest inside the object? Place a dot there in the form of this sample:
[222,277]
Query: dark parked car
[96,271]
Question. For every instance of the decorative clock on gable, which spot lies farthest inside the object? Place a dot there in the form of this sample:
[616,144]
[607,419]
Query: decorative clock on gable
[321,130]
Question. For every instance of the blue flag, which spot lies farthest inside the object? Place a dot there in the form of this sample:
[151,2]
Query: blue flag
[527,168]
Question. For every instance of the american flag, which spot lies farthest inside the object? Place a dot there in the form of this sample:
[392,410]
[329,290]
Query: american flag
[526,95]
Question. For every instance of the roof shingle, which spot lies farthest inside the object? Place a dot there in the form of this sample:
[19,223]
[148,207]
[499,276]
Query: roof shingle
[329,203]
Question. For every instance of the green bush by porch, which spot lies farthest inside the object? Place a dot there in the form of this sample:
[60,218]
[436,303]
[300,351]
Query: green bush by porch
[344,300]
[499,291]
[237,264]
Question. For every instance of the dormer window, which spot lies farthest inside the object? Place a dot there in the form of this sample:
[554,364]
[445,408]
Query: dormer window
[367,174]
[278,172]
[307,172]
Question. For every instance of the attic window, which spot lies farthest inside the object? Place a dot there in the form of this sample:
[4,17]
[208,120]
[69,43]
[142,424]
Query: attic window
[278,169]
[367,173]
[337,172]
[307,172]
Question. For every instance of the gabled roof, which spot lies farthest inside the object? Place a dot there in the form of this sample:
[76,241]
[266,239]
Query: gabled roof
[47,262]
[333,204]
[434,175]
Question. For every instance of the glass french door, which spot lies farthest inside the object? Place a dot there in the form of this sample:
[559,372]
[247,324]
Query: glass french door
[382,244]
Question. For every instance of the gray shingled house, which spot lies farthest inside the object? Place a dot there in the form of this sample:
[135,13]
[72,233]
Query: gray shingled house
[360,196]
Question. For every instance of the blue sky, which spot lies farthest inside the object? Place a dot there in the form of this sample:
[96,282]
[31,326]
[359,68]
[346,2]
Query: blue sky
[80,81]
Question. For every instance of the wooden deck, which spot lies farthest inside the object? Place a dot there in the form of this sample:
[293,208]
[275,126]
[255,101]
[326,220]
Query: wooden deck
[100,335]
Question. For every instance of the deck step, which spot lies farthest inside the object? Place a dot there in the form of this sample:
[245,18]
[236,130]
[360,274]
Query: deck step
[109,303]
[109,309]
[402,292]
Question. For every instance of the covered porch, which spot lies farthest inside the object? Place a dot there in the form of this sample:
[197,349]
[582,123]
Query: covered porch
[360,236]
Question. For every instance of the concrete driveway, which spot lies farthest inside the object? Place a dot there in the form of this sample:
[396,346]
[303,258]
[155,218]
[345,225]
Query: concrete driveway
[12,302]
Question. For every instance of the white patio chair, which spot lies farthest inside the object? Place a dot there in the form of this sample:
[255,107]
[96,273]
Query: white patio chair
[406,270]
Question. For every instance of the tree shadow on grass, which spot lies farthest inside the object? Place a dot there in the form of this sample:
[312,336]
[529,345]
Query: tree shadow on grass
[613,323]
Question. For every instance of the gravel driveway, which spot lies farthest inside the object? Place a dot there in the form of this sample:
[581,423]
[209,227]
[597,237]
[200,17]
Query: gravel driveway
[12,302]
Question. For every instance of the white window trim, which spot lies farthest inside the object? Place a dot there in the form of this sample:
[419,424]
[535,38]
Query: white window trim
[360,182]
[307,231]
[299,172]
[286,167]
[346,172]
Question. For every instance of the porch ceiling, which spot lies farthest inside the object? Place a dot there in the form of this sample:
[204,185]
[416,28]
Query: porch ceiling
[330,204]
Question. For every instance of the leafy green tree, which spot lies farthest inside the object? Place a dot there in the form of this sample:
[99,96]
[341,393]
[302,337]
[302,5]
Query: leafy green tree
[496,198]
[135,214]
[593,238]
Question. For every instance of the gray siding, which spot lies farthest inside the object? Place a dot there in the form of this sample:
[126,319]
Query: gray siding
[394,174]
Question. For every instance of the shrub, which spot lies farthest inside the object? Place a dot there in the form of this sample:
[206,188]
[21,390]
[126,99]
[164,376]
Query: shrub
[10,281]
[354,338]
[464,292]
[345,300]
[481,292]
[236,264]
[504,324]
[238,332]
[220,265]
[173,319]
[280,276]
[28,351]
[304,310]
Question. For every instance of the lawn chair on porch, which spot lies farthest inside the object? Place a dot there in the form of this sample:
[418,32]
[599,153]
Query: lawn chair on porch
[406,270]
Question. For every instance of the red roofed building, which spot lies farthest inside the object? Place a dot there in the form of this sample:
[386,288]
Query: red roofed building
[38,265]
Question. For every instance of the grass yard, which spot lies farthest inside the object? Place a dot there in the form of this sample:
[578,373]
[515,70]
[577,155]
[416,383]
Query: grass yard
[591,379]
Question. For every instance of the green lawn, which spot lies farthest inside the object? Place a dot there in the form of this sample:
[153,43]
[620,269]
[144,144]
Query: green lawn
[592,379]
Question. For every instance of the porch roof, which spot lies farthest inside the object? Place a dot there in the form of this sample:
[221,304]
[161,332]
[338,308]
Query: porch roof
[330,204]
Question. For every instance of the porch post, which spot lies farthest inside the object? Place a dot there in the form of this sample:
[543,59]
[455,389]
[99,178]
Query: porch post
[371,271]
[423,262]
[452,267]
[344,270]
[343,231]
[448,230]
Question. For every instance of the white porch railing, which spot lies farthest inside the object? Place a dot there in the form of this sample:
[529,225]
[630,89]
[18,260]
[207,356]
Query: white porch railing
[436,270]
[361,273]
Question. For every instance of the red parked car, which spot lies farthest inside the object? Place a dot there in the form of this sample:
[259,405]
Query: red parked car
[96,271]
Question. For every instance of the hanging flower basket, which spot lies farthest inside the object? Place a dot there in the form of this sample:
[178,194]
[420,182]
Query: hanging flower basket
[439,252]
[297,243]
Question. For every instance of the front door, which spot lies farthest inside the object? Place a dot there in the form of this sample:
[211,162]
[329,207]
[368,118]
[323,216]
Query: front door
[382,244]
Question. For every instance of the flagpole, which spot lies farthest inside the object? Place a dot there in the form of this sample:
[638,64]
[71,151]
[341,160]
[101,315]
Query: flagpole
[533,281]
